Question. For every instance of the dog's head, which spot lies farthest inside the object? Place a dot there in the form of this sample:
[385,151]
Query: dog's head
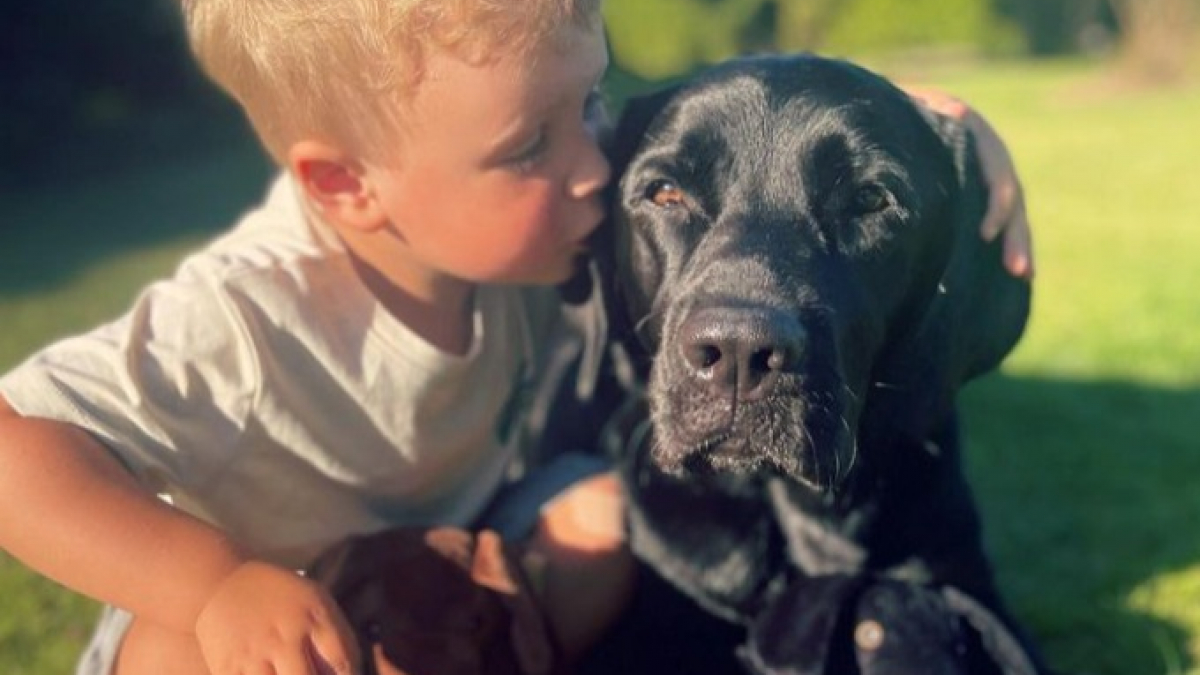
[847,625]
[437,602]
[797,249]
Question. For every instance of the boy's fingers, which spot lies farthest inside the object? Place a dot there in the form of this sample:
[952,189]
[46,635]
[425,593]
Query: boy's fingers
[1006,215]
[1018,250]
[333,648]
[1000,210]
[322,664]
[939,102]
[489,567]
[290,662]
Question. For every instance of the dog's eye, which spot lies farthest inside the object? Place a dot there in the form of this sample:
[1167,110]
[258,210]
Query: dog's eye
[871,199]
[665,194]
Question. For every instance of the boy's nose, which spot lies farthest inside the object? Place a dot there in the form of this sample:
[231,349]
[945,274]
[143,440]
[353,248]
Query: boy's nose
[592,173]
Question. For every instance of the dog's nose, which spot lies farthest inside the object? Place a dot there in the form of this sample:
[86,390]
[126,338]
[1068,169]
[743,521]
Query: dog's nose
[740,350]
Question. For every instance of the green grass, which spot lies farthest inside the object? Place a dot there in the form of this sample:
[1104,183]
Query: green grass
[1082,449]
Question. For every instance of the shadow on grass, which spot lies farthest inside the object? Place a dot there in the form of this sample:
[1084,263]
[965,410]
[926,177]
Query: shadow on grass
[50,232]
[1090,508]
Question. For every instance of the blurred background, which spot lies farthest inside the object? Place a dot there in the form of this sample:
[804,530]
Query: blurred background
[117,157]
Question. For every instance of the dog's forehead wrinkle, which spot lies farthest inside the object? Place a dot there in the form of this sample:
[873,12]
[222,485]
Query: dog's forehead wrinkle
[737,274]
[740,97]
[740,112]
[781,139]
[807,166]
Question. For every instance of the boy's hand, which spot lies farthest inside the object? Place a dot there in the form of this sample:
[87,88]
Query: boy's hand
[264,619]
[1006,203]
[438,601]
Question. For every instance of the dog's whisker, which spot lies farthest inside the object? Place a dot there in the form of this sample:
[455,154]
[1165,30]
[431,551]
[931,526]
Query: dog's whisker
[827,481]
[853,451]
[818,465]
[641,323]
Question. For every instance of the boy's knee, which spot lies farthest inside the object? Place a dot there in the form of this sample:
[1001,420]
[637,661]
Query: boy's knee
[589,517]
[149,649]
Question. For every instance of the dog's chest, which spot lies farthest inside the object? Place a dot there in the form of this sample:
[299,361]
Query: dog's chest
[814,546]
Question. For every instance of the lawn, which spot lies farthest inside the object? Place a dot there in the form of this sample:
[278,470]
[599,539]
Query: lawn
[1081,449]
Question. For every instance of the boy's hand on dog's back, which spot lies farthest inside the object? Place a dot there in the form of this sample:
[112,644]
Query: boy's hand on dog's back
[1006,211]
[263,618]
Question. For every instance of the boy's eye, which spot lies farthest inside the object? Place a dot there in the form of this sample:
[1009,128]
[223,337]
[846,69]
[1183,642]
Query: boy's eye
[531,151]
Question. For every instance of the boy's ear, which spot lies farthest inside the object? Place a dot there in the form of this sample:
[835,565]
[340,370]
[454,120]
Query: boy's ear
[336,183]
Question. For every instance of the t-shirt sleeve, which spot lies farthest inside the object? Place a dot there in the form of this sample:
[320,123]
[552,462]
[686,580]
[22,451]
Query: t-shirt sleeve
[168,387]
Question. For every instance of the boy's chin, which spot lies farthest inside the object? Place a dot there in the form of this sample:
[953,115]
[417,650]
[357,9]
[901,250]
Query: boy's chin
[576,286]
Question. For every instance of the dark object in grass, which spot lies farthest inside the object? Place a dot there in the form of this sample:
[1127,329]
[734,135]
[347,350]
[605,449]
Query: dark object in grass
[439,601]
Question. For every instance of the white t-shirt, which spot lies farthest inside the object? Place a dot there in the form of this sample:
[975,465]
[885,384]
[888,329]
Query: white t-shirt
[265,390]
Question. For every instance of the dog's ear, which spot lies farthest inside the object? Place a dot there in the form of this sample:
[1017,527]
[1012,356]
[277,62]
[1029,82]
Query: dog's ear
[985,304]
[798,633]
[973,316]
[995,645]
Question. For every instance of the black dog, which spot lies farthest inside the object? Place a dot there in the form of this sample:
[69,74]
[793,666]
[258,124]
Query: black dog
[799,265]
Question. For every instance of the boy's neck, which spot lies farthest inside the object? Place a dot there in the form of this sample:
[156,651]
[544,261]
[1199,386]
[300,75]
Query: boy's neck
[439,308]
[442,314]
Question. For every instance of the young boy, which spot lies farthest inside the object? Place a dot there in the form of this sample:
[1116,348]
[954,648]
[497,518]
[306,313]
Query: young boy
[351,355]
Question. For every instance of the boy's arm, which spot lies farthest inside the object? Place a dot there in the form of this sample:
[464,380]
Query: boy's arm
[71,512]
[589,570]
[1006,213]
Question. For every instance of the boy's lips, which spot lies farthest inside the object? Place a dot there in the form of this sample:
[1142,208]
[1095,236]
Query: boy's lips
[587,243]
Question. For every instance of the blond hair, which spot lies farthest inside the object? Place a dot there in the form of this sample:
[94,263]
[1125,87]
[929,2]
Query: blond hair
[342,70]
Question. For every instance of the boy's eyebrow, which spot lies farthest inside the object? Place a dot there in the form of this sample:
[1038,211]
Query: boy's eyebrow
[514,133]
